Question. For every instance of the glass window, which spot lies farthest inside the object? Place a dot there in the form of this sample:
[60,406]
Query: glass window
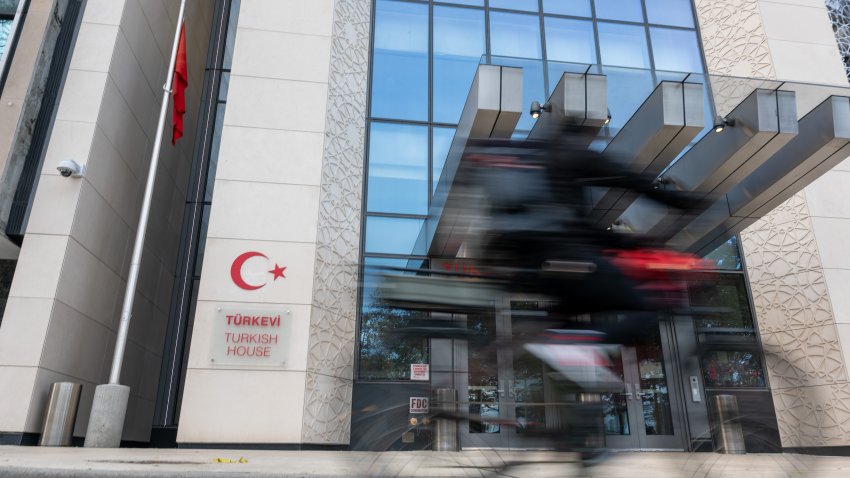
[570,40]
[383,355]
[532,85]
[400,65]
[526,5]
[623,45]
[720,304]
[458,46]
[726,256]
[627,89]
[398,169]
[474,3]
[579,8]
[670,12]
[515,35]
[675,50]
[441,142]
[626,10]
[391,235]
[732,368]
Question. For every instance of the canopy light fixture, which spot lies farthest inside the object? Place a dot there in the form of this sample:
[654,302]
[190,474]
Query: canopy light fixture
[607,118]
[721,122]
[536,109]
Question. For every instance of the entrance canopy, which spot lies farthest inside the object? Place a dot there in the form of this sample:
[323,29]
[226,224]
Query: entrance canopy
[778,137]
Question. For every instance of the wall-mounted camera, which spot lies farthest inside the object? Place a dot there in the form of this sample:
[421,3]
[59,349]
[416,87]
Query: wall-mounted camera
[70,168]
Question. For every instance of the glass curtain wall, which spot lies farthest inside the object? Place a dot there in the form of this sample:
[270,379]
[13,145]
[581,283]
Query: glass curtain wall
[424,57]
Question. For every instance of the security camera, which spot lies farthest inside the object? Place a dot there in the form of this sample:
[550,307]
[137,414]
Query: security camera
[69,167]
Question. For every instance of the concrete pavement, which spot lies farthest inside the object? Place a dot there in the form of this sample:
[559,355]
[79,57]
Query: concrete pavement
[135,462]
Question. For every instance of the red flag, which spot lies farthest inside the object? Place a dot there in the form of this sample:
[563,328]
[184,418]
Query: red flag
[178,87]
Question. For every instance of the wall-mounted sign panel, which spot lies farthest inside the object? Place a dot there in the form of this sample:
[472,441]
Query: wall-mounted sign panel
[251,336]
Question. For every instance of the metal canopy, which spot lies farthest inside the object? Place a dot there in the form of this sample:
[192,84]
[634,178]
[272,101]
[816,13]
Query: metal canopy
[822,142]
[492,110]
[662,127]
[764,122]
[579,99]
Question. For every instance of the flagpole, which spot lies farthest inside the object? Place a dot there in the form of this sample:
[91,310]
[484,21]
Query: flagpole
[110,403]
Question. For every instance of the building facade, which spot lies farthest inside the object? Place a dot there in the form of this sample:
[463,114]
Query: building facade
[321,141]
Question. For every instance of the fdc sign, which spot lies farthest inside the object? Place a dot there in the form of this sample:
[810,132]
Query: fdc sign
[418,404]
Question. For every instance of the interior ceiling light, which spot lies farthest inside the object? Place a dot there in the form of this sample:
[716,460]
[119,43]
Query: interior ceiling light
[721,122]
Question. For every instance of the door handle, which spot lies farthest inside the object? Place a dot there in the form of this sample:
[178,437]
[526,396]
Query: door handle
[637,391]
[628,392]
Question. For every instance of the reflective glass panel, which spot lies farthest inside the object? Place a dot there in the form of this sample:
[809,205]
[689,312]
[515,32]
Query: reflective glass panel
[675,50]
[722,304]
[474,3]
[623,45]
[726,256]
[732,368]
[627,88]
[532,85]
[615,406]
[515,35]
[441,142]
[580,8]
[626,10]
[652,392]
[670,12]
[392,235]
[570,40]
[526,5]
[483,392]
[400,68]
[458,46]
[382,354]
[398,169]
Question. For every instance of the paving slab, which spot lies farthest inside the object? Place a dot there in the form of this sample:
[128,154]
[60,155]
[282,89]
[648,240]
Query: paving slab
[30,462]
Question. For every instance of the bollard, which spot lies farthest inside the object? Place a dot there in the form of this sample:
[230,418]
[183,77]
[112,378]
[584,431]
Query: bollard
[61,414]
[445,429]
[728,435]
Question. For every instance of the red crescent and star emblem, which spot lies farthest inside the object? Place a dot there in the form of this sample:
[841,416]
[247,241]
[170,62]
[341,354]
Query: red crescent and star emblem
[236,271]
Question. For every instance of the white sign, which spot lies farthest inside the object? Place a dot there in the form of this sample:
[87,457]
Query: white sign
[418,404]
[250,336]
[419,371]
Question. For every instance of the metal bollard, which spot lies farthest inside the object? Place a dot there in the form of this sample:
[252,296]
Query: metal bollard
[445,429]
[61,414]
[728,435]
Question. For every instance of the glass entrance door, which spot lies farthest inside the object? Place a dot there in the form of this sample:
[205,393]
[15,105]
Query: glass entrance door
[644,414]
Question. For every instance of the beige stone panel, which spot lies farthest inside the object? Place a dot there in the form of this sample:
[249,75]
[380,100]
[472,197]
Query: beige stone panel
[801,3]
[296,288]
[241,406]
[813,416]
[128,77]
[75,345]
[10,112]
[276,104]
[137,426]
[141,40]
[39,266]
[843,330]
[327,411]
[68,140]
[94,47]
[27,49]
[293,57]
[99,229]
[124,132]
[806,62]
[838,282]
[827,196]
[204,329]
[266,155]
[264,211]
[15,399]
[59,199]
[107,12]
[295,16]
[24,328]
[804,357]
[832,237]
[797,23]
[88,286]
[82,96]
[110,176]
[140,371]
[161,25]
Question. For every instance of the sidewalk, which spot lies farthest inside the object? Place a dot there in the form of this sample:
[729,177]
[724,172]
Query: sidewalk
[135,462]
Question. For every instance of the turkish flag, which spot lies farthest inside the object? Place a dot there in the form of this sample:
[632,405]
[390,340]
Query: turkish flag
[178,88]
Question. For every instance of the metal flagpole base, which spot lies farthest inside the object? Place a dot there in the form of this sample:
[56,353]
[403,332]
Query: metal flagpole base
[106,423]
